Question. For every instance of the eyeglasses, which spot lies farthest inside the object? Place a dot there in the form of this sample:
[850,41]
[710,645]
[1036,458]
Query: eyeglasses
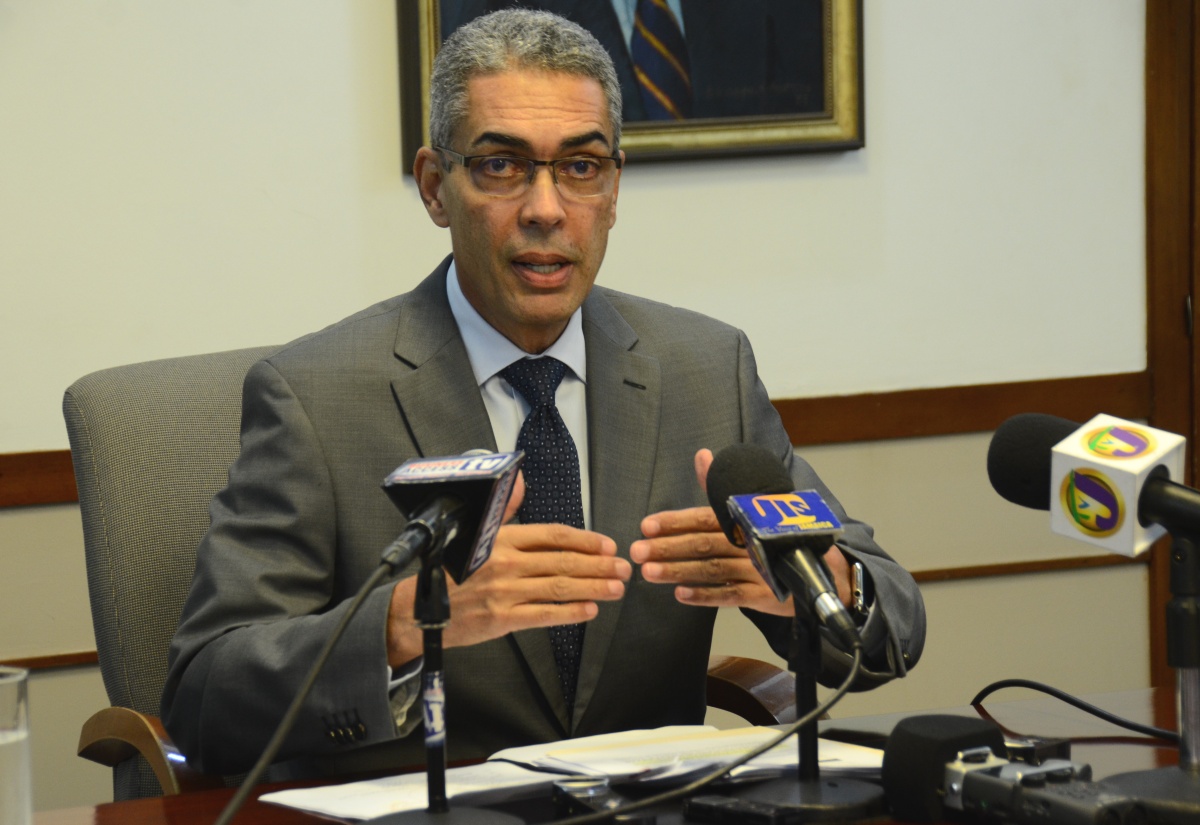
[507,176]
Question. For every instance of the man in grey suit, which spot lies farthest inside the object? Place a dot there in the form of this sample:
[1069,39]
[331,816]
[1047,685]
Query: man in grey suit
[649,390]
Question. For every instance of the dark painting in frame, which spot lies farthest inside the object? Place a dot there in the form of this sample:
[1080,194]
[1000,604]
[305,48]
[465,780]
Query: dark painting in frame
[820,40]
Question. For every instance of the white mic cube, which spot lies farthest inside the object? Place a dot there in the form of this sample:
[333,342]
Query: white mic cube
[1097,474]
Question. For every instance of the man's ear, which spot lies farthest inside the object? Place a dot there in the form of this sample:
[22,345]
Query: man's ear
[430,174]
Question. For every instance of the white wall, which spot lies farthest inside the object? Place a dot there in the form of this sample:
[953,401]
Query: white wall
[184,177]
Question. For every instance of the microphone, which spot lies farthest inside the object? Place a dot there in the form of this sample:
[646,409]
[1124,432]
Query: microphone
[456,502]
[1106,482]
[785,531]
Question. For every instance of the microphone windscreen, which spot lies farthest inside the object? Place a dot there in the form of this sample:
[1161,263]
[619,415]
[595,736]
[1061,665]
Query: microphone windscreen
[915,759]
[1018,460]
[740,470]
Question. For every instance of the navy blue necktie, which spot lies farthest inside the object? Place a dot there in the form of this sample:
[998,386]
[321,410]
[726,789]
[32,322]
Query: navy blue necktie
[660,61]
[552,492]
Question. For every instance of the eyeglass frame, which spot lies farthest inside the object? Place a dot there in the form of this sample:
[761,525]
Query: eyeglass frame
[464,161]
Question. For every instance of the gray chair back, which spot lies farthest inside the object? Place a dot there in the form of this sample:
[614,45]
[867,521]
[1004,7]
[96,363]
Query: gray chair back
[151,443]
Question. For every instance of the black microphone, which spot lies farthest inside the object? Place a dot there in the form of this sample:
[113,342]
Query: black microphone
[1020,467]
[747,484]
[453,502]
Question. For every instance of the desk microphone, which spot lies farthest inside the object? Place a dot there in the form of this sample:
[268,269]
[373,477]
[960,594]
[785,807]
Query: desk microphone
[1107,482]
[455,506]
[457,501]
[787,532]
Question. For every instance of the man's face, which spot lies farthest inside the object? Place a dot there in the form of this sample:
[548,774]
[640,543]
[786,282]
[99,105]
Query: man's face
[525,262]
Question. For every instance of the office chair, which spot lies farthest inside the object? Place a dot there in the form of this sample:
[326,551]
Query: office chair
[151,444]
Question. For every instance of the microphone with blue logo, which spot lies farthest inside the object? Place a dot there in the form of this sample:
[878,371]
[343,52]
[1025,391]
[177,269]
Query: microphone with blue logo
[786,531]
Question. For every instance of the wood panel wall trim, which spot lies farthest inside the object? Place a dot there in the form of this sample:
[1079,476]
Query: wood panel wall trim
[28,479]
[1172,73]
[45,477]
[1025,568]
[954,410]
[55,661]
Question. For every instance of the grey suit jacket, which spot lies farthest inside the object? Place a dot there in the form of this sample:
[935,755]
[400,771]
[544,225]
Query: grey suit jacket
[303,520]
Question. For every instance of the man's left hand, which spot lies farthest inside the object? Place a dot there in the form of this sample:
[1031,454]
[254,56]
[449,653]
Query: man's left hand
[687,548]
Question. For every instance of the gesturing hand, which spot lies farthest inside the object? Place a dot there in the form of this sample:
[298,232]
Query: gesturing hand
[688,549]
[538,575]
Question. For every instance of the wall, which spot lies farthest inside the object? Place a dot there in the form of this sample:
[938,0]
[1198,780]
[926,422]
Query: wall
[179,178]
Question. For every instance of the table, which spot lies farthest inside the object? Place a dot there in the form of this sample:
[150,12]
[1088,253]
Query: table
[1108,749]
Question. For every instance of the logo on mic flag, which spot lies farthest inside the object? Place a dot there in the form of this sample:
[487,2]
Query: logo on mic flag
[777,514]
[1119,441]
[1093,502]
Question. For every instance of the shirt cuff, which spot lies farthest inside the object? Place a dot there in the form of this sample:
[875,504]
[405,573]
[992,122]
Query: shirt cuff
[403,690]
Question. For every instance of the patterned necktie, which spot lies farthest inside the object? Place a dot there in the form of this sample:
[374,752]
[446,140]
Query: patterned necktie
[552,492]
[660,61]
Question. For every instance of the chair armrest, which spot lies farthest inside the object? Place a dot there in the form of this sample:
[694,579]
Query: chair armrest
[757,691]
[114,734]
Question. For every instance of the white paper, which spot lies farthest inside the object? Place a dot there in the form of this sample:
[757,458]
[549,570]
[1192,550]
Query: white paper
[481,784]
[669,755]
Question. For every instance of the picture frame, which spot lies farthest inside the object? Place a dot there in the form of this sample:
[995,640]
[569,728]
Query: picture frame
[831,79]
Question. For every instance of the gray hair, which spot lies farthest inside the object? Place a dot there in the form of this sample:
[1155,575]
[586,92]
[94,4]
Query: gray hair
[515,39]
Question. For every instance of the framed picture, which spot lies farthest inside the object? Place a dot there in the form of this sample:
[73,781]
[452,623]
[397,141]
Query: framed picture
[765,76]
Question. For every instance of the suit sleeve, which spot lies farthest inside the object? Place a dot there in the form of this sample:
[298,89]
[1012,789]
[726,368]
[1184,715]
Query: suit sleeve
[265,597]
[894,632]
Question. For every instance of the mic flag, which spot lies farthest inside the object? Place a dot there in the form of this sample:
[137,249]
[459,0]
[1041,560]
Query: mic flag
[483,485]
[1091,478]
[783,519]
[751,494]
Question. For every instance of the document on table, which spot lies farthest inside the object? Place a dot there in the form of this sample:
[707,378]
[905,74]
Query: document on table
[482,784]
[681,753]
[669,755]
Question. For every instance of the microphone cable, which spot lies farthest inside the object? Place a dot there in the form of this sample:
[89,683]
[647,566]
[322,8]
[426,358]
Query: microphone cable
[1076,702]
[708,779]
[397,556]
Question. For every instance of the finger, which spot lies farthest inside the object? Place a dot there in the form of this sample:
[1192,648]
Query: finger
[704,460]
[515,498]
[759,598]
[839,570]
[547,537]
[707,572]
[676,522]
[687,547]
[529,551]
[563,590]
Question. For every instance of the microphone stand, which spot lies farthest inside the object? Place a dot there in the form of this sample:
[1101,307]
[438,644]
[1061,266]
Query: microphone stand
[431,609]
[1173,793]
[818,800]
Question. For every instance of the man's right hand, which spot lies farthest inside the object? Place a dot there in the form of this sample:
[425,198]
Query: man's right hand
[538,575]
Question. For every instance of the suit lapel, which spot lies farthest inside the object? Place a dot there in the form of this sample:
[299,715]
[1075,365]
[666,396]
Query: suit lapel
[437,395]
[624,403]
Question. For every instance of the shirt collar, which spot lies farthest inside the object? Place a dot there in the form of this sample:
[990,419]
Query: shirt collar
[490,352]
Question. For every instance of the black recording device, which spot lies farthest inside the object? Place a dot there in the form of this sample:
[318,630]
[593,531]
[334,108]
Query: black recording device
[937,765]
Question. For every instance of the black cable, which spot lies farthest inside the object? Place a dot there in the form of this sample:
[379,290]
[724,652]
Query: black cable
[1074,701]
[396,556]
[708,779]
